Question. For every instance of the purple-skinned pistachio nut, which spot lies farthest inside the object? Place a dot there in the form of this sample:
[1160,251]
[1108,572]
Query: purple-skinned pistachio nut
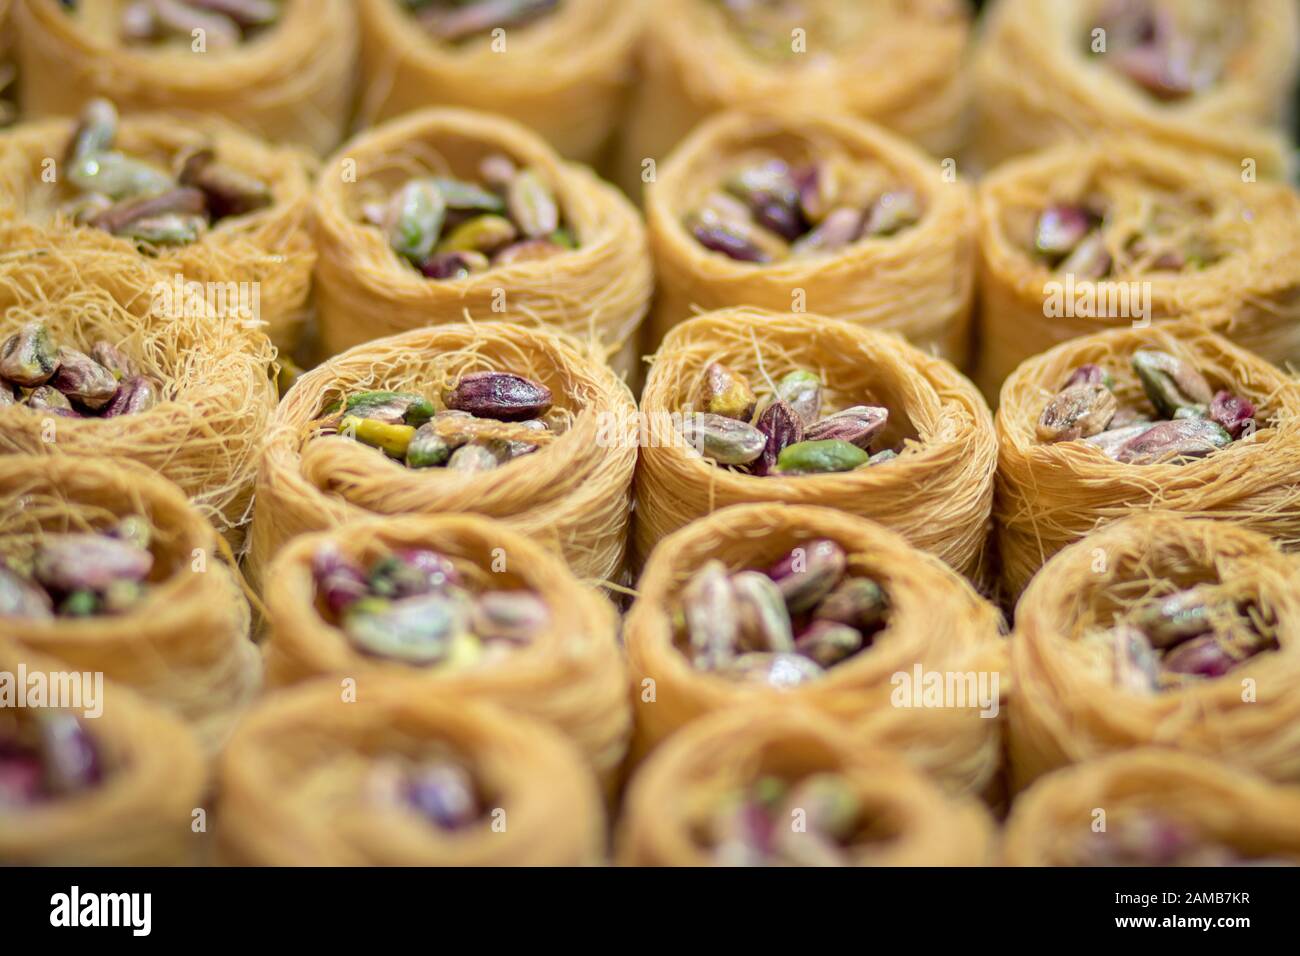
[339,580]
[21,776]
[443,793]
[858,425]
[1088,374]
[859,602]
[89,562]
[808,573]
[84,380]
[1171,441]
[411,571]
[71,759]
[829,642]
[20,598]
[1080,411]
[1234,413]
[1060,228]
[712,621]
[136,394]
[513,616]
[782,427]
[500,395]
[1200,657]
[49,399]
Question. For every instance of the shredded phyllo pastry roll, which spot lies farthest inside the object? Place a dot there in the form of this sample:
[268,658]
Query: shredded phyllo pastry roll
[561,67]
[896,62]
[466,605]
[1078,239]
[447,216]
[280,69]
[785,786]
[1154,807]
[743,405]
[1168,418]
[820,214]
[1197,75]
[1159,629]
[778,603]
[105,566]
[217,219]
[82,374]
[113,781]
[396,776]
[496,419]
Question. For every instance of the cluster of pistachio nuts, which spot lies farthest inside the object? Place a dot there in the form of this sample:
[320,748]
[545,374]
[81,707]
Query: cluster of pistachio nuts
[438,789]
[45,758]
[768,211]
[225,23]
[487,419]
[790,435]
[784,626]
[1147,43]
[80,575]
[71,384]
[1073,238]
[135,199]
[452,21]
[1152,838]
[412,606]
[755,825]
[1190,635]
[449,228]
[1187,419]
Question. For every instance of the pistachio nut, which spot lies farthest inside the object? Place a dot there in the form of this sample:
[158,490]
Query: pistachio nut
[117,176]
[229,191]
[82,378]
[70,757]
[107,355]
[414,220]
[712,619]
[781,427]
[454,265]
[460,195]
[339,581]
[841,227]
[21,598]
[820,457]
[472,458]
[88,562]
[391,408]
[1170,382]
[761,612]
[818,186]
[443,793]
[170,209]
[1175,618]
[727,441]
[726,392]
[513,616]
[532,204]
[1173,440]
[1080,411]
[892,211]
[415,630]
[808,573]
[411,571]
[1234,413]
[96,129]
[1060,228]
[1089,374]
[47,398]
[28,357]
[802,391]
[1112,440]
[829,642]
[858,602]
[136,394]
[500,395]
[393,440]
[1090,259]
[1201,657]
[857,425]
[780,671]
[427,449]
